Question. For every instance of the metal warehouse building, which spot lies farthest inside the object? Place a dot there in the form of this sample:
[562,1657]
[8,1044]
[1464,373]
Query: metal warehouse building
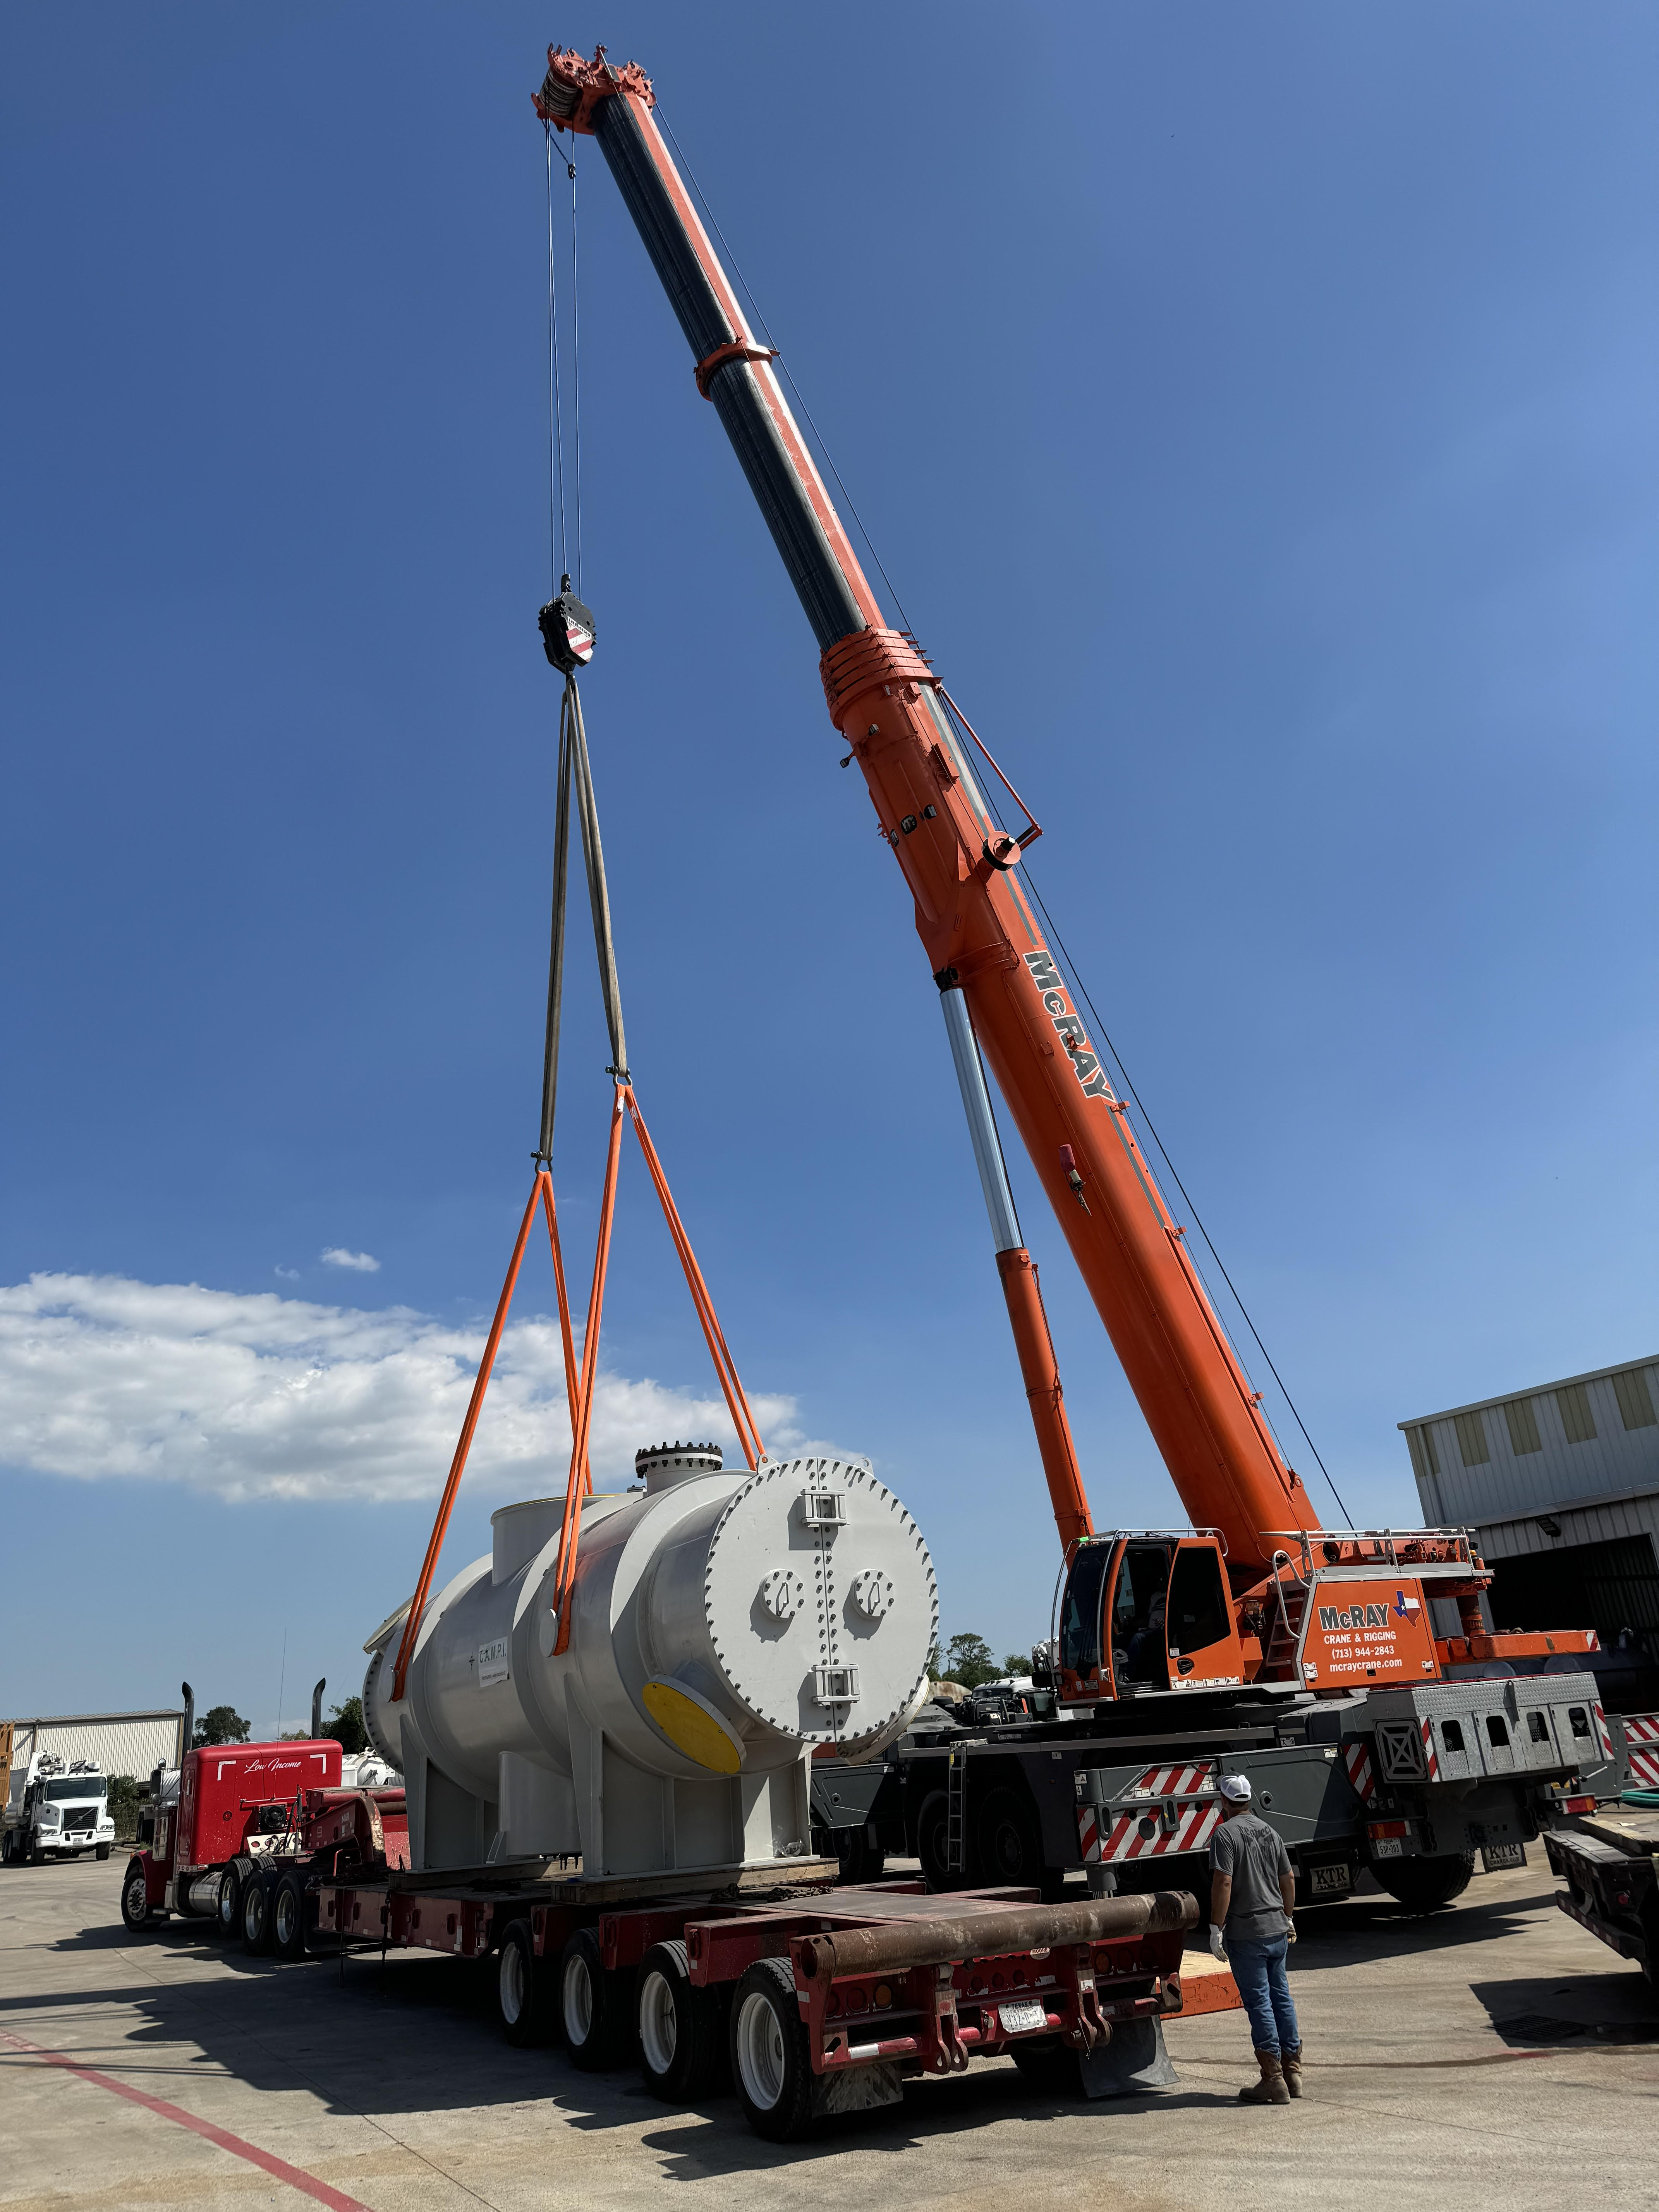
[1562,1483]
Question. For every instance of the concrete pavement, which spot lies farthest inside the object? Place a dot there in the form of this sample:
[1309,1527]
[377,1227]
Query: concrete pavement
[1492,2055]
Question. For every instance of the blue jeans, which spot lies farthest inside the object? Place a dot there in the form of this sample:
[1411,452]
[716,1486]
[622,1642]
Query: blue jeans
[1259,1969]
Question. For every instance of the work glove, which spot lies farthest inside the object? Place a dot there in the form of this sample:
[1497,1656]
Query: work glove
[1290,1928]
[1217,1946]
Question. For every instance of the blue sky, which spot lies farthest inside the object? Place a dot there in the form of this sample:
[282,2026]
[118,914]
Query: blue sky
[1254,408]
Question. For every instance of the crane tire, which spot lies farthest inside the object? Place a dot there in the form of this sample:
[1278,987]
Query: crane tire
[1424,1885]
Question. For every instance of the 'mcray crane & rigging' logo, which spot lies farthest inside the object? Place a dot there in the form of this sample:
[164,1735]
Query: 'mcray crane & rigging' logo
[1086,1067]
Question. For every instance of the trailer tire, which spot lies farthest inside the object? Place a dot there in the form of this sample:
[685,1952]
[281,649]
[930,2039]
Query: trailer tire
[682,2032]
[522,1988]
[1424,1885]
[595,2006]
[771,2066]
[135,1896]
[288,1917]
[256,1916]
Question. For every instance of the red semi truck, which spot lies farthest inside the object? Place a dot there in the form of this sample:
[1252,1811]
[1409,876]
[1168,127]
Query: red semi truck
[244,1831]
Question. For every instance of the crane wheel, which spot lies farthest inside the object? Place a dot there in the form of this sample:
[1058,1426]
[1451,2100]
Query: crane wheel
[932,1830]
[1424,1885]
[1010,1840]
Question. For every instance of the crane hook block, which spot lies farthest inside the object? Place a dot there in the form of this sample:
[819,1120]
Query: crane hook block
[567,628]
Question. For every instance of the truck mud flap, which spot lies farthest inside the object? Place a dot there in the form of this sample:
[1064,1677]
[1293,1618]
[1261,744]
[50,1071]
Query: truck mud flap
[1136,2058]
[856,2089]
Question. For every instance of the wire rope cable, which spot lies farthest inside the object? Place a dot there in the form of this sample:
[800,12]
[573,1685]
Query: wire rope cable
[555,408]
[576,359]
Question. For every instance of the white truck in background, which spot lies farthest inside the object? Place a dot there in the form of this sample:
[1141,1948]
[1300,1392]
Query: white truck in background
[56,1808]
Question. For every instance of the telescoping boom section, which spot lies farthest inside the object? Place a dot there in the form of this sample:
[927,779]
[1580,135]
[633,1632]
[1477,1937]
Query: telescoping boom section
[1248,1576]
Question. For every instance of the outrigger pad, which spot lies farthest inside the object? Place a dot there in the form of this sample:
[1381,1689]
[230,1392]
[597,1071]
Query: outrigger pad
[857,2089]
[1136,2058]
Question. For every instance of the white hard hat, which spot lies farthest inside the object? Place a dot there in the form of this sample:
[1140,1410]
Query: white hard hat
[1236,1789]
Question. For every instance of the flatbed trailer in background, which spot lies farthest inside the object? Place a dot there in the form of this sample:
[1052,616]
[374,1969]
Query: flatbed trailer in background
[1606,1851]
[818,1998]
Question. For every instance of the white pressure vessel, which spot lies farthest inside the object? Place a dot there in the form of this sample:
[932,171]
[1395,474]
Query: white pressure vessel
[722,1626]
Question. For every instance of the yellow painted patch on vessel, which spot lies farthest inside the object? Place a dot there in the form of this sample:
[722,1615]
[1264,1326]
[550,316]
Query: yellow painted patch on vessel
[691,1729]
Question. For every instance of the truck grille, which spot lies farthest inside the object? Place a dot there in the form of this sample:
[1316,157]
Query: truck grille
[81,1816]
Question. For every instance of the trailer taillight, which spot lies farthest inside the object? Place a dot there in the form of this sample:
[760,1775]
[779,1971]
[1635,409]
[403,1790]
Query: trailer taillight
[1578,1804]
[1378,1829]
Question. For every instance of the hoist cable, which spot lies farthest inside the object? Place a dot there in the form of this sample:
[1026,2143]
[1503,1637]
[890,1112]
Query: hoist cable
[779,363]
[1146,1123]
[555,409]
[576,359]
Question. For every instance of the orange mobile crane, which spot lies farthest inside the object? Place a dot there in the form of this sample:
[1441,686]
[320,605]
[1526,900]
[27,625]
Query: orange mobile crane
[1256,1601]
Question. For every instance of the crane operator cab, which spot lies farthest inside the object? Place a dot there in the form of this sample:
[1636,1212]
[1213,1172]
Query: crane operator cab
[1145,1613]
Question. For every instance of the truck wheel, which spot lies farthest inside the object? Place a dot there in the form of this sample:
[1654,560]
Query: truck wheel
[594,2010]
[227,1911]
[859,1861]
[101,1851]
[1424,1885]
[135,1896]
[288,1917]
[256,1917]
[770,2062]
[682,2041]
[521,1987]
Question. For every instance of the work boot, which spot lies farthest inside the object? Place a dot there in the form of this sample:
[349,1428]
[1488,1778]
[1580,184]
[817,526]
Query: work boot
[1270,2089]
[1291,2061]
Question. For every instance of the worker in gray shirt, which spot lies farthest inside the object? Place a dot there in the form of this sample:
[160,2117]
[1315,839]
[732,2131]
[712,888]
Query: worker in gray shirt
[1252,1892]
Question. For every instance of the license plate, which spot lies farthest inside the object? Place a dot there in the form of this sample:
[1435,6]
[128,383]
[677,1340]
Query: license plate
[1389,1847]
[1329,1881]
[1496,1858]
[1023,2019]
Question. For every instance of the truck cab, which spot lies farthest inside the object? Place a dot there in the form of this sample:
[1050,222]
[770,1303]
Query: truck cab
[1144,1611]
[57,1808]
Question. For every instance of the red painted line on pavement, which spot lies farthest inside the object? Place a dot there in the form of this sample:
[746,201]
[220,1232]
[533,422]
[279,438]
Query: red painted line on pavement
[279,2168]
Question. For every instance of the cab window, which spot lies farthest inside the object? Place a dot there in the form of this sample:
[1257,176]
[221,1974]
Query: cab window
[1080,1617]
[1198,1612]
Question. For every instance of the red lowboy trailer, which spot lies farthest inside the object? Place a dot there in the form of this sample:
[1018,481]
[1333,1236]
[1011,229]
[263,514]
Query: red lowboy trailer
[814,2000]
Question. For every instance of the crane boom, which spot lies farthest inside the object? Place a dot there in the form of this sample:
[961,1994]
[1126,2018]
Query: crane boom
[976,925]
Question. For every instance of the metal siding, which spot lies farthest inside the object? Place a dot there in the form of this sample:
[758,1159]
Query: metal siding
[1635,1400]
[1513,1484]
[1521,1422]
[121,1743]
[1589,1524]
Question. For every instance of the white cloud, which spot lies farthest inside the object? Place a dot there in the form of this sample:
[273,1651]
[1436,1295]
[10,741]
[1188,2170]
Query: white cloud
[363,1263]
[288,1274]
[260,1396]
